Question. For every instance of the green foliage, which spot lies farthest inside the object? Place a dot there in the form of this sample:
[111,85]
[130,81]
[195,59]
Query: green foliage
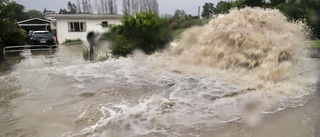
[85,53]
[315,44]
[276,3]
[238,3]
[177,33]
[15,11]
[72,9]
[71,41]
[208,10]
[223,7]
[35,14]
[146,31]
[178,14]
[307,11]
[254,3]
[181,20]
[103,58]
[184,23]
[11,33]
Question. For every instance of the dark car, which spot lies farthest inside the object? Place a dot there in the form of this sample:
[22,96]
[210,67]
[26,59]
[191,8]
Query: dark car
[41,38]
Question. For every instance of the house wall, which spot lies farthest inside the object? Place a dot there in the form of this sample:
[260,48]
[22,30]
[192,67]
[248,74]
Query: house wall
[91,25]
[53,25]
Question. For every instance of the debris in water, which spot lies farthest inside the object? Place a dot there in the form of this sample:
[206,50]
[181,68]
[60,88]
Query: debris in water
[87,94]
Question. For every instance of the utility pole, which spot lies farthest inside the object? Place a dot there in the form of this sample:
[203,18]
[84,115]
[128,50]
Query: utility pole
[199,12]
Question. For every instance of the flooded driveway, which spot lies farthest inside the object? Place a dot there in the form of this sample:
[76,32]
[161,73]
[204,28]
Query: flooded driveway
[63,95]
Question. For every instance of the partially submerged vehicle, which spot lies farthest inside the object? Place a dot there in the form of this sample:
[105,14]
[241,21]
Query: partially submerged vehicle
[41,38]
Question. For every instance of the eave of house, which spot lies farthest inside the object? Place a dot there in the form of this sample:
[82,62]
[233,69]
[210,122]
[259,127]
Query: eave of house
[33,24]
[33,19]
[85,16]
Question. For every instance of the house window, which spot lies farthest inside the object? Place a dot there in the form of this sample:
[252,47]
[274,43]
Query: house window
[77,26]
[104,23]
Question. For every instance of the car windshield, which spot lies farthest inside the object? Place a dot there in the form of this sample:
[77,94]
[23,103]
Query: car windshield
[42,35]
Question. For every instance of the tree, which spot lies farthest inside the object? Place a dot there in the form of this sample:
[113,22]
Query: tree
[63,11]
[254,3]
[48,12]
[17,11]
[274,3]
[145,31]
[112,7]
[79,6]
[11,33]
[238,3]
[105,8]
[223,7]
[98,7]
[139,6]
[86,7]
[135,6]
[179,14]
[115,7]
[72,8]
[126,5]
[208,10]
[307,11]
[35,14]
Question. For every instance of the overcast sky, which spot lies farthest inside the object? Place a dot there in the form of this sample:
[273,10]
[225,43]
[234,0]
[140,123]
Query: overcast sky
[165,6]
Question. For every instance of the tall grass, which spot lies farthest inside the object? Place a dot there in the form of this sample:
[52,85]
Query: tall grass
[315,44]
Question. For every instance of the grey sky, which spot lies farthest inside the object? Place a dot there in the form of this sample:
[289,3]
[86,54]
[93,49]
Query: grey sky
[165,6]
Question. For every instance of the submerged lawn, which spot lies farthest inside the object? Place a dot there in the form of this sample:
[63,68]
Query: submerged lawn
[315,44]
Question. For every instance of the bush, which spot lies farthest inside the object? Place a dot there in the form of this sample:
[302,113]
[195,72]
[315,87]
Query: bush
[183,23]
[11,33]
[315,44]
[85,53]
[71,41]
[146,31]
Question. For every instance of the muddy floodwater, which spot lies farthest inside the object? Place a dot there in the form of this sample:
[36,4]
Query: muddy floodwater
[63,95]
[230,84]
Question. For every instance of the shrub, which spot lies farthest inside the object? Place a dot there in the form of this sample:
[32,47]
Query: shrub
[85,53]
[11,33]
[315,44]
[71,41]
[146,31]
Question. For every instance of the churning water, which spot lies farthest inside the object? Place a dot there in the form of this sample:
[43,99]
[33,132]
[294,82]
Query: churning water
[243,74]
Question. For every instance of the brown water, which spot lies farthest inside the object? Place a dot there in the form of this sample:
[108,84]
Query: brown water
[202,86]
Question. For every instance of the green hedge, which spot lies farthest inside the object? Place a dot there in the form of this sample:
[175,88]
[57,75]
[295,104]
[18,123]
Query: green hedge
[145,31]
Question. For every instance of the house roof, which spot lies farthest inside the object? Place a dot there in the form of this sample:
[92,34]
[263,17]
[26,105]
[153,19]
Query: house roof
[85,16]
[28,20]
[33,24]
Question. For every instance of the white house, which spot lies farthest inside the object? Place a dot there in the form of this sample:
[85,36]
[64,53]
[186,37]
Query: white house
[76,26]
